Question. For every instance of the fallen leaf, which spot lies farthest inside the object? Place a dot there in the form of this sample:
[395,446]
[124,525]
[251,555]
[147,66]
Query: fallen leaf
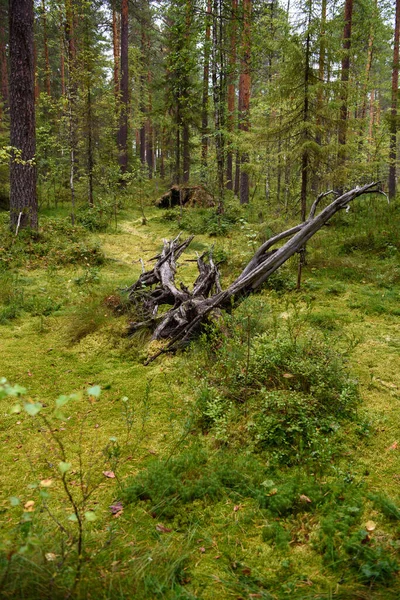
[29,506]
[273,492]
[109,474]
[288,375]
[46,483]
[394,446]
[202,549]
[160,527]
[116,508]
[236,508]
[50,556]
[118,514]
[305,499]
[246,571]
[217,557]
[370,525]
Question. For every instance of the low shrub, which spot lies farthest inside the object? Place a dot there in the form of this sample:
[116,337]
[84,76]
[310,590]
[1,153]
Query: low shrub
[56,243]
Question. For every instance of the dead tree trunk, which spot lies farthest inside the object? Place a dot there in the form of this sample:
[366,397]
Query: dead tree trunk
[191,308]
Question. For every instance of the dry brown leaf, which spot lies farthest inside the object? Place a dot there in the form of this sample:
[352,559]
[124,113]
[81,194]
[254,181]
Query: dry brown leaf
[109,474]
[370,525]
[394,446]
[29,506]
[305,499]
[160,527]
[46,483]
[50,556]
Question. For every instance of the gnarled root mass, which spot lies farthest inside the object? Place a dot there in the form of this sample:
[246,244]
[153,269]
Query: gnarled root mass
[191,308]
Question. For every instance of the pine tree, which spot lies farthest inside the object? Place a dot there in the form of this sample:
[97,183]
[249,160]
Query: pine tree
[23,201]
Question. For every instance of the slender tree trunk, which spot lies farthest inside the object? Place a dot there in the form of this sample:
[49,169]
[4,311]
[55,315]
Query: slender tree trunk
[46,50]
[218,82]
[124,86]
[62,66]
[393,121]
[143,107]
[204,110]
[90,146]
[3,59]
[305,156]
[185,124]
[23,200]
[244,95]
[149,127]
[320,95]
[231,94]
[348,14]
[116,52]
[72,94]
[36,78]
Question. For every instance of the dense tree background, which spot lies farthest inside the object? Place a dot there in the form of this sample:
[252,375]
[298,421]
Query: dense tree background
[279,98]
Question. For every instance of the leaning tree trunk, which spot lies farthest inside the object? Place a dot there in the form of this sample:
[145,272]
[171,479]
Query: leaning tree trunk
[191,308]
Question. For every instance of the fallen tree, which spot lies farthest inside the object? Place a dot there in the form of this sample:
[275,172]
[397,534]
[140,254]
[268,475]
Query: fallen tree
[191,308]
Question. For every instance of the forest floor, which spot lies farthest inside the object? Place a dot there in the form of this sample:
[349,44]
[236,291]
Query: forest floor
[181,491]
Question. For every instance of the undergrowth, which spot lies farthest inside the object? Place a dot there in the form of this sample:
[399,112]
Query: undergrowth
[56,243]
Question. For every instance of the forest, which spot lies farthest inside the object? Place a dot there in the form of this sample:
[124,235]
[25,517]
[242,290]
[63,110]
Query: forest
[199,299]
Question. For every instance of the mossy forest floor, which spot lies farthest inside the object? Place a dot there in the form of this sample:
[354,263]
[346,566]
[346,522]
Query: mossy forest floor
[262,462]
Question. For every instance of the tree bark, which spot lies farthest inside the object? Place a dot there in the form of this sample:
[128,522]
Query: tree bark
[244,98]
[3,58]
[116,53]
[124,86]
[204,108]
[393,113]
[348,15]
[46,50]
[23,201]
[231,93]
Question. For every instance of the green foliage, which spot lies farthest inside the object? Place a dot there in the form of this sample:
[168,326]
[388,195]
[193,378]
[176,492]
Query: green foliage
[286,391]
[57,243]
[386,506]
[16,298]
[205,220]
[383,243]
[95,218]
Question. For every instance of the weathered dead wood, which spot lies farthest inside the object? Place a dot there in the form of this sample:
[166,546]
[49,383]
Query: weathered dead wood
[190,308]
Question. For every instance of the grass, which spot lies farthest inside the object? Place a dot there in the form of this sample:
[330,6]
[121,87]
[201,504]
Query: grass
[205,514]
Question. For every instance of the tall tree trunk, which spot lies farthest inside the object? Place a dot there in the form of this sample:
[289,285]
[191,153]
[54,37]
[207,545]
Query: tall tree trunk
[62,65]
[90,162]
[124,86]
[3,58]
[36,78]
[149,135]
[348,15]
[116,51]
[231,93]
[23,200]
[46,50]
[218,82]
[204,109]
[143,107]
[185,128]
[244,98]
[393,121]
[72,94]
[149,126]
[320,94]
